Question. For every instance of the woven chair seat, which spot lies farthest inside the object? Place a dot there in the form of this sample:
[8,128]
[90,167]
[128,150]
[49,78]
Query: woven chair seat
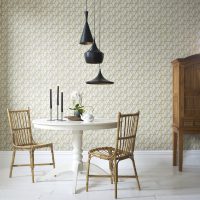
[108,153]
[34,146]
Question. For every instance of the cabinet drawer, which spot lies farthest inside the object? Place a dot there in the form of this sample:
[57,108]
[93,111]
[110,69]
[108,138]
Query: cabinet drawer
[197,123]
[191,123]
[188,123]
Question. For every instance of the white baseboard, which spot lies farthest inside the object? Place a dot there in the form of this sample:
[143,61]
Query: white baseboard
[151,158]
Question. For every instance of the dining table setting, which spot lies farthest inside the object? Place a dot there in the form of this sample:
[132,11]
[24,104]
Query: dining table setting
[76,124]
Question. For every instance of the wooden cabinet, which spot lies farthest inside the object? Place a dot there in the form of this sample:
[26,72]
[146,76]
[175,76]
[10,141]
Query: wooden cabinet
[186,102]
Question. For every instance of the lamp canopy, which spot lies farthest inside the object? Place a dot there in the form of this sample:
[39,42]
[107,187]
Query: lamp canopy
[99,80]
[86,37]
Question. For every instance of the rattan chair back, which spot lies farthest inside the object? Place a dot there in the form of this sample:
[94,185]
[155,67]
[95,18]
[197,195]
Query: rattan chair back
[20,125]
[126,133]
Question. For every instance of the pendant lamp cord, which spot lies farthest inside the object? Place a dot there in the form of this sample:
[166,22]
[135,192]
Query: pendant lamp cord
[99,24]
[99,29]
[94,19]
[86,5]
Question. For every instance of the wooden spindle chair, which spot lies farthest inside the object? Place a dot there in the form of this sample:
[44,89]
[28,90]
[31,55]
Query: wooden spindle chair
[124,149]
[20,126]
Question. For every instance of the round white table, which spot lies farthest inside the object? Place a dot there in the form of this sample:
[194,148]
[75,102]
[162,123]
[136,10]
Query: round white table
[77,128]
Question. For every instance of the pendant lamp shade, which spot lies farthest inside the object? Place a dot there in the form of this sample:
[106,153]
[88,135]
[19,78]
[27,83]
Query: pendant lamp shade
[99,80]
[94,55]
[86,37]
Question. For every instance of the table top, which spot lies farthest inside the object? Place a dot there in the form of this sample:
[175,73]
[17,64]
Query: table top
[98,123]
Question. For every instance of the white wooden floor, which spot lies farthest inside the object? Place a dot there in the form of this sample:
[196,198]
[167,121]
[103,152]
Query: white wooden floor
[159,181]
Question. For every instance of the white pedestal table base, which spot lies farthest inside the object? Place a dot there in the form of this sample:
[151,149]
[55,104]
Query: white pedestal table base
[78,167]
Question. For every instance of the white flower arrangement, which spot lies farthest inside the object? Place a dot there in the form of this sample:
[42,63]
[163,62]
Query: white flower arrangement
[77,107]
[76,98]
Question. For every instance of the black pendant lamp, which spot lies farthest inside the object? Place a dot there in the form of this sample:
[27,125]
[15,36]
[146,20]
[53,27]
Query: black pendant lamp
[94,55]
[86,37]
[99,79]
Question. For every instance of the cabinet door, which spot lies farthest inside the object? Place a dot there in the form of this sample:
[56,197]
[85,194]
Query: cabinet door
[192,91]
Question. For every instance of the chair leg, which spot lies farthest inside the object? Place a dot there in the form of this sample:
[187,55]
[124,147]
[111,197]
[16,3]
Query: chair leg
[117,169]
[12,163]
[88,172]
[115,177]
[111,170]
[32,164]
[52,155]
[133,161]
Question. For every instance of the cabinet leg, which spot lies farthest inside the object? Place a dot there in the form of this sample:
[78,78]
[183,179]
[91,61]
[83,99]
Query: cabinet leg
[174,148]
[180,151]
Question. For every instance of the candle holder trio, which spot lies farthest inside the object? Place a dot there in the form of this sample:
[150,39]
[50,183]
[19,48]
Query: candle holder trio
[57,106]
[79,111]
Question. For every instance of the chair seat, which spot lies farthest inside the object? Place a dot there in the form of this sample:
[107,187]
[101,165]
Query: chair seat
[108,153]
[33,146]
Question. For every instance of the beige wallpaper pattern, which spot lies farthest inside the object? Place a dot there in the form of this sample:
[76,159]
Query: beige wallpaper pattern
[40,50]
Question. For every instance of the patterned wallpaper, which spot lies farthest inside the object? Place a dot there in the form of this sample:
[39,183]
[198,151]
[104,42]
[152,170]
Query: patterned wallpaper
[40,50]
